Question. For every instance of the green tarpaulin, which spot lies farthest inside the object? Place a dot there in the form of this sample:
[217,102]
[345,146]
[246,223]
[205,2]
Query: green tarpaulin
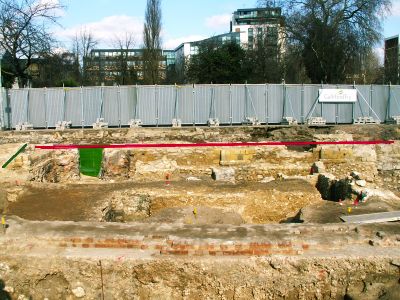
[90,161]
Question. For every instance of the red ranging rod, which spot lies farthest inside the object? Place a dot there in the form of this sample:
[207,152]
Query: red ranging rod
[202,145]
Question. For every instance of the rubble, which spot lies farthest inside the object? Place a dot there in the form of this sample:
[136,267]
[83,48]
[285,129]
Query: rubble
[361,183]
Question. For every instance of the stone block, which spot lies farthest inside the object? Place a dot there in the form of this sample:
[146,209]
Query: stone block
[223,174]
[336,153]
[236,156]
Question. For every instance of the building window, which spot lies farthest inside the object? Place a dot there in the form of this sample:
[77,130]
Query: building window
[194,50]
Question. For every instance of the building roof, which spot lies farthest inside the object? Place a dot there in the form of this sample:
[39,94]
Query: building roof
[392,37]
[257,9]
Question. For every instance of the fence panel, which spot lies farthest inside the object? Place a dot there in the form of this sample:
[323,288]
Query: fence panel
[394,101]
[379,101]
[168,102]
[19,106]
[158,105]
[364,99]
[256,101]
[3,109]
[91,100]
[345,110]
[312,108]
[222,103]
[186,105]
[293,102]
[73,107]
[55,106]
[237,109]
[146,107]
[329,110]
[203,103]
[128,104]
[112,106]
[275,109]
[37,109]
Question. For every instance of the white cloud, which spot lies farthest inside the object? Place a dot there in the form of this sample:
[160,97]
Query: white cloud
[107,29]
[59,12]
[395,11]
[175,42]
[49,2]
[380,52]
[219,21]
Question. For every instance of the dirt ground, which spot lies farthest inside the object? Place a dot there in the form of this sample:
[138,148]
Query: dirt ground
[330,212]
[216,203]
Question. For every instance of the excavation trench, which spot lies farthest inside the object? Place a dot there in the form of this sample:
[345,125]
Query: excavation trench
[200,223]
[176,202]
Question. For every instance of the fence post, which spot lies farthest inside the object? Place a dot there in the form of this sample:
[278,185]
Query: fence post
[284,99]
[266,103]
[389,103]
[176,114]
[82,109]
[27,106]
[194,104]
[9,112]
[245,102]
[230,104]
[2,107]
[353,109]
[45,107]
[322,104]
[101,101]
[119,105]
[64,116]
[157,108]
[337,110]
[302,103]
[137,102]
[370,100]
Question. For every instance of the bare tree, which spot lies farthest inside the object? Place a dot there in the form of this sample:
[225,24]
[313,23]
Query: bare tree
[152,53]
[126,62]
[24,32]
[83,43]
[331,33]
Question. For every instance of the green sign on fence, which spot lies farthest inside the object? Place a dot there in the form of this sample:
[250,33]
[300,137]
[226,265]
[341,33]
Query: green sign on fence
[90,161]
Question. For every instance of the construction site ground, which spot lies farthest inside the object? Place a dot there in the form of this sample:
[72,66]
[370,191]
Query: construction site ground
[218,223]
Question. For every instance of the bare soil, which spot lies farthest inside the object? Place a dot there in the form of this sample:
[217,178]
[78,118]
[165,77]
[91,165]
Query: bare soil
[330,212]
[219,202]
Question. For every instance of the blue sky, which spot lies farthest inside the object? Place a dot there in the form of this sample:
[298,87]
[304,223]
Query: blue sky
[182,20]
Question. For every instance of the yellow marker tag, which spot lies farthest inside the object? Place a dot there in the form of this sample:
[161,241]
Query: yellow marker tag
[3,220]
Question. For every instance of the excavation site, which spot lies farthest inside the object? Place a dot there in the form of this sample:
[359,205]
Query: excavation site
[201,213]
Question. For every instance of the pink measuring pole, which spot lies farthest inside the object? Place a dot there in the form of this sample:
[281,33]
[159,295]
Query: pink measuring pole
[203,145]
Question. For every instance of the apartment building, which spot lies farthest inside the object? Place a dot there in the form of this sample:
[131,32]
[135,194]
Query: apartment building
[122,66]
[247,27]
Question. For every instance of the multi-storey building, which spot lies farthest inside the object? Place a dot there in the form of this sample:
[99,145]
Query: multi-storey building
[121,66]
[257,22]
[248,26]
[392,60]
